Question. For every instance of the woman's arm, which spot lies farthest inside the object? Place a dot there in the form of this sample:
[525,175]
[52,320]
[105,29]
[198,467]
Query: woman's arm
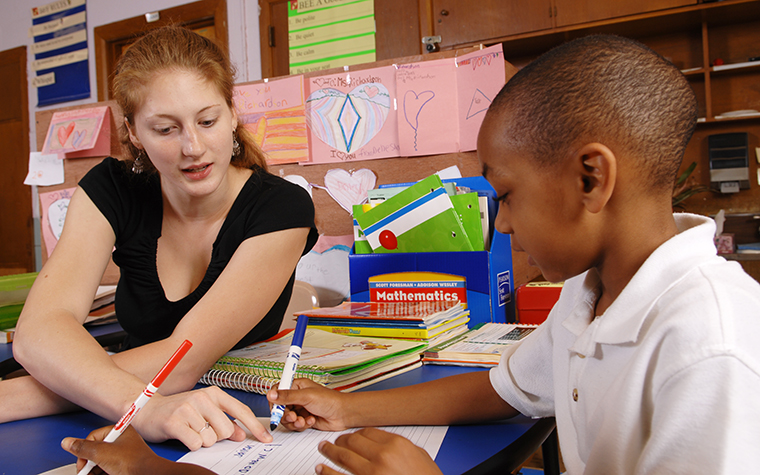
[54,347]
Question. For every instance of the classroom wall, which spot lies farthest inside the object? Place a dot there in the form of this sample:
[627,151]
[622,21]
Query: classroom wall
[243,30]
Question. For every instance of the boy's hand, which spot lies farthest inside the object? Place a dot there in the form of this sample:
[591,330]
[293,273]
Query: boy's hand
[310,405]
[129,454]
[374,451]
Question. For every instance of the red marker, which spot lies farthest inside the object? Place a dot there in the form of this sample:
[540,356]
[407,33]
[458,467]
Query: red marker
[142,399]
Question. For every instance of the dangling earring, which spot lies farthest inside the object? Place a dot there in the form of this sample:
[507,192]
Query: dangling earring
[235,145]
[137,164]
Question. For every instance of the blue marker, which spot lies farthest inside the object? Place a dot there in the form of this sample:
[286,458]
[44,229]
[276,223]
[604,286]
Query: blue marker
[289,371]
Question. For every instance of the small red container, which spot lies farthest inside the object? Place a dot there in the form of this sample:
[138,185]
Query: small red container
[535,300]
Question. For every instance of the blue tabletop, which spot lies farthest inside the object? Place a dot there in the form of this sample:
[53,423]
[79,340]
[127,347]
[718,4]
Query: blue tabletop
[33,446]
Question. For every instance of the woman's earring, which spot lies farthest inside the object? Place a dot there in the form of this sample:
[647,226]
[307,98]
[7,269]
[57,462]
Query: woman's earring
[137,164]
[235,145]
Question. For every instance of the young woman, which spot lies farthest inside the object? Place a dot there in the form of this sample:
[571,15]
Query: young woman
[206,240]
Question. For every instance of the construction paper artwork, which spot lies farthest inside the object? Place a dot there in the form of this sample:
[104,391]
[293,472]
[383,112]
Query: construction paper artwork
[480,77]
[79,133]
[351,116]
[273,111]
[428,92]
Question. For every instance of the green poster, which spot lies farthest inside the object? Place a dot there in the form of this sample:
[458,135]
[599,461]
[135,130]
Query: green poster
[326,34]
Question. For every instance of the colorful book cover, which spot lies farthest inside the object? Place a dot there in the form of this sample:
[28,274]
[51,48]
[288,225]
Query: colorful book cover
[356,329]
[426,312]
[325,357]
[418,219]
[417,286]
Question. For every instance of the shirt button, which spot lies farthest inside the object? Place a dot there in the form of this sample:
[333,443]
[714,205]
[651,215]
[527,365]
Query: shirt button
[575,394]
[581,356]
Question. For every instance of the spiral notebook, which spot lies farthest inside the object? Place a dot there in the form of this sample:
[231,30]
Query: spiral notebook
[336,361]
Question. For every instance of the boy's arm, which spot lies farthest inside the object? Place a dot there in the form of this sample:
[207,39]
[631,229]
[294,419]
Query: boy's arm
[463,398]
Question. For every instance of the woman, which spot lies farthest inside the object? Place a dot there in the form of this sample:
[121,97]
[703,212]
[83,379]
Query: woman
[206,240]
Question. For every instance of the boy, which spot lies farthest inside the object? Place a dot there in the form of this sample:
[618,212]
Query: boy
[647,359]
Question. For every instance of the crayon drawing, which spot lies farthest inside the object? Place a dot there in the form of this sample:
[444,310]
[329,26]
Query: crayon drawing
[79,130]
[273,112]
[413,104]
[351,116]
[348,121]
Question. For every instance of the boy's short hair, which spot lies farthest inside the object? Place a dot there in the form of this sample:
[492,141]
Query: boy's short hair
[605,89]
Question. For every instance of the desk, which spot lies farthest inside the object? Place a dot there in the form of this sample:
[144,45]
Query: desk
[33,446]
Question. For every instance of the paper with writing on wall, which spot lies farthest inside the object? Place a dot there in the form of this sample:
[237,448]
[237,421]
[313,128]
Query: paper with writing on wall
[480,77]
[273,112]
[427,102]
[293,453]
[351,116]
[44,170]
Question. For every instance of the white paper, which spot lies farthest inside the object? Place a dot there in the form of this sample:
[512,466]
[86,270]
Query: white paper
[293,453]
[44,170]
[70,469]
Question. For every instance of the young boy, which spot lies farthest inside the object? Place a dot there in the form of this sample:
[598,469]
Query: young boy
[647,360]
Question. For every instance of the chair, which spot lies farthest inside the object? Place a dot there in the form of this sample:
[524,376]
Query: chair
[543,434]
[304,298]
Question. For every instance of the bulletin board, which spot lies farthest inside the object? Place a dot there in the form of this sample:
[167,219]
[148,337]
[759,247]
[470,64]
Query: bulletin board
[331,218]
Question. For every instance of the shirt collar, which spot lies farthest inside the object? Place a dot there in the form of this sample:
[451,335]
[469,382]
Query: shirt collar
[622,321]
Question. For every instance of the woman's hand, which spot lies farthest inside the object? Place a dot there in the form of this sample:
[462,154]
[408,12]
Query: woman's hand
[374,451]
[198,418]
[127,455]
[310,405]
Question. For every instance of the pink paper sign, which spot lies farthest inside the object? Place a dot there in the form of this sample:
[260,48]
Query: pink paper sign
[427,108]
[274,112]
[79,133]
[54,205]
[480,76]
[351,116]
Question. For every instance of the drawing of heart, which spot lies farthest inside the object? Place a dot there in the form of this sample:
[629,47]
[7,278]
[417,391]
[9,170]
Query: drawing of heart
[348,121]
[78,137]
[57,215]
[413,104]
[349,189]
[64,133]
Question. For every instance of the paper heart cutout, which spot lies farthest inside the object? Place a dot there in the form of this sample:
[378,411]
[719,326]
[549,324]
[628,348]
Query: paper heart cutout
[300,181]
[348,121]
[349,189]
[64,133]
[78,138]
[57,215]
[413,104]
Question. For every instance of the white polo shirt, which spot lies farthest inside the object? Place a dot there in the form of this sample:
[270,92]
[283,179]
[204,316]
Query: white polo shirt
[666,381]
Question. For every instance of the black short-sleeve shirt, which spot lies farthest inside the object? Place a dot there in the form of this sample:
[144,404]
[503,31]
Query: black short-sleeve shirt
[133,205]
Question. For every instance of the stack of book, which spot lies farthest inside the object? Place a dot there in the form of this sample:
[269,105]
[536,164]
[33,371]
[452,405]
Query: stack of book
[339,362]
[430,322]
[481,346]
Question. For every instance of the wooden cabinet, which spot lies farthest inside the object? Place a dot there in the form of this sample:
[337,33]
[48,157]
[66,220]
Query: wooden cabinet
[571,12]
[460,22]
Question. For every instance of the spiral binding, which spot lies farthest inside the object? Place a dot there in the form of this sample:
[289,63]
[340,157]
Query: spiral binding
[244,382]
[268,369]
